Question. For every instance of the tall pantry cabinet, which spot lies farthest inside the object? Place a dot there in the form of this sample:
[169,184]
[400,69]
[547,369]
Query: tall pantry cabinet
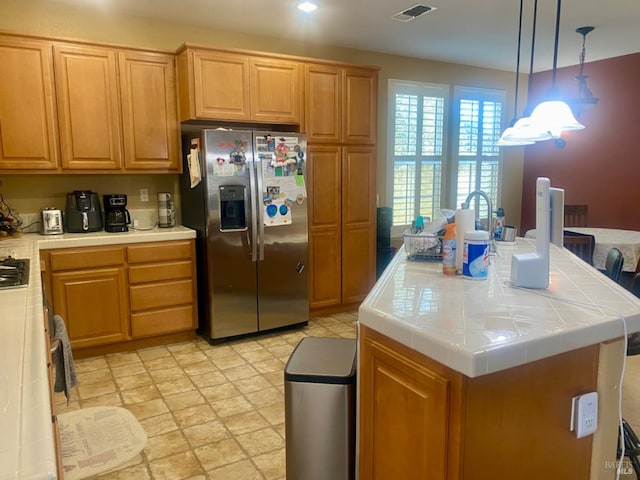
[340,122]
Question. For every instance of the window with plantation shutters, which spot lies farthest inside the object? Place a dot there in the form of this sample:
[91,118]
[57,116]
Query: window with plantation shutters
[418,113]
[477,158]
[433,166]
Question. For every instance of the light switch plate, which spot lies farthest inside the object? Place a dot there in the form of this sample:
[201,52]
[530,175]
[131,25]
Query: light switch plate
[584,414]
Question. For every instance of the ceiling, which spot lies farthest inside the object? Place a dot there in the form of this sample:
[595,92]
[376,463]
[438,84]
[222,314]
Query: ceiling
[472,32]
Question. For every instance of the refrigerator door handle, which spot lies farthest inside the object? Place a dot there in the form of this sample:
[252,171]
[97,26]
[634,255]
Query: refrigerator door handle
[253,240]
[260,206]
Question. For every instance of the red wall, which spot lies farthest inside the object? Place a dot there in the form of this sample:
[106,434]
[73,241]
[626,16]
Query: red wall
[600,165]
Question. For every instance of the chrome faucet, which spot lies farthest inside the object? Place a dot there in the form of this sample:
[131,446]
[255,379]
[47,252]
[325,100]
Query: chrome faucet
[490,225]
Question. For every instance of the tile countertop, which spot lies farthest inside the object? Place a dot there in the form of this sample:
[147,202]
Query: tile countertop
[478,327]
[26,443]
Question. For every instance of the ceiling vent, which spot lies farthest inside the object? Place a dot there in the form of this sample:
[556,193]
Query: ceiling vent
[411,13]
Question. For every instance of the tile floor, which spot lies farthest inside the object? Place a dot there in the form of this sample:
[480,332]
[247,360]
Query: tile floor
[210,412]
[217,412]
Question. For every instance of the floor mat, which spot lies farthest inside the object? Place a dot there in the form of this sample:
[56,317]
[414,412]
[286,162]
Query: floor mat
[98,439]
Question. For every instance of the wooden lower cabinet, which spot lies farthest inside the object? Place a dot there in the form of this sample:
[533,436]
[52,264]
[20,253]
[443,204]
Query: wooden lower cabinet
[162,288]
[421,420]
[114,295]
[90,292]
[48,334]
[407,413]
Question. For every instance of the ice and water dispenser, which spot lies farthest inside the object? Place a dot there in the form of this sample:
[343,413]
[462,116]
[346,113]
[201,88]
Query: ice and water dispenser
[232,208]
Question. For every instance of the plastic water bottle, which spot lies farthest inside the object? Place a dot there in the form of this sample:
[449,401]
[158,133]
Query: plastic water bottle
[499,225]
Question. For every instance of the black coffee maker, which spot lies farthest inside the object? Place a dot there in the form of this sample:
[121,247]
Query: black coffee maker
[116,216]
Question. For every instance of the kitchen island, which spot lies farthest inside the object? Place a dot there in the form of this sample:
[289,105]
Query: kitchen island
[27,444]
[474,379]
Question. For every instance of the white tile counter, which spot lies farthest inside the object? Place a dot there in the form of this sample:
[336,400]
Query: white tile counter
[478,327]
[26,443]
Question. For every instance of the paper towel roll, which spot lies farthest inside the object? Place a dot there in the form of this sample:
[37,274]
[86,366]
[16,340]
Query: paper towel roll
[465,221]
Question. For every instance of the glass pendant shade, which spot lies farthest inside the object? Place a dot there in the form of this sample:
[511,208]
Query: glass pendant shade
[554,115]
[508,139]
[524,130]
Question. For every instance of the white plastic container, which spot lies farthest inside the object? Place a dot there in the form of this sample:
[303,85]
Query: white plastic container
[465,221]
[475,257]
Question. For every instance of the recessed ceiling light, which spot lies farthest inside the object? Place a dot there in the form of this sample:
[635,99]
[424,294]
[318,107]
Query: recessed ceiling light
[307,7]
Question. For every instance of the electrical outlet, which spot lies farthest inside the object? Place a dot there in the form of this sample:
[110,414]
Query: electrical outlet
[144,194]
[584,414]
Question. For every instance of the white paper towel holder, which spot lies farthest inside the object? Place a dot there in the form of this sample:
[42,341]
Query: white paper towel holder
[465,221]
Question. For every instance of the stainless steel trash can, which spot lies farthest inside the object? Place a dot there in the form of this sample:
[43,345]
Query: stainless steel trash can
[320,398]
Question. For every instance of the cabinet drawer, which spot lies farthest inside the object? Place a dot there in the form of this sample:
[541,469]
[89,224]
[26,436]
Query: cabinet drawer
[86,257]
[158,252]
[159,271]
[159,295]
[158,322]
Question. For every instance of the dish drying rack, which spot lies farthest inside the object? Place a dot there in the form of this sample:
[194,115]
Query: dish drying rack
[423,247]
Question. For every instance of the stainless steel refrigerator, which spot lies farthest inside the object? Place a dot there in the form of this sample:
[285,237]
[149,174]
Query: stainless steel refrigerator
[249,209]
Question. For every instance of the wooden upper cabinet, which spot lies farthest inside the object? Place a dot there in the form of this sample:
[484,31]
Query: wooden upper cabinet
[149,111]
[28,130]
[87,90]
[360,101]
[220,86]
[275,90]
[225,86]
[323,103]
[340,104]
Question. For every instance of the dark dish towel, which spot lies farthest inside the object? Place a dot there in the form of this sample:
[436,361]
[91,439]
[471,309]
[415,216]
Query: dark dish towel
[63,359]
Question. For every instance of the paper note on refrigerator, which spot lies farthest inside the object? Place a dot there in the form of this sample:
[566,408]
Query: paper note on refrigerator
[277,213]
[194,167]
[290,188]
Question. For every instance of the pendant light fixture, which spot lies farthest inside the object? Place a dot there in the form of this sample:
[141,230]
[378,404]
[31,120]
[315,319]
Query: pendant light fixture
[522,131]
[554,115]
[507,137]
[585,99]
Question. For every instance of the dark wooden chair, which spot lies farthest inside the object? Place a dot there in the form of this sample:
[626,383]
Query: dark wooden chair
[581,245]
[613,264]
[629,437]
[576,215]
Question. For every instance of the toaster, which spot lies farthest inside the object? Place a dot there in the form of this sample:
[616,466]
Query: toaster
[51,221]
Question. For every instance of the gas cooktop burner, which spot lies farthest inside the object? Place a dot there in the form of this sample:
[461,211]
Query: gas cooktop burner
[14,272]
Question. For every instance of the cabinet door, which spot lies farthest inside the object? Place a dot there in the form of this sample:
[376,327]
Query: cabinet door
[404,416]
[28,130]
[324,184]
[149,111]
[360,100]
[51,380]
[94,304]
[358,222]
[323,104]
[89,114]
[275,91]
[221,86]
